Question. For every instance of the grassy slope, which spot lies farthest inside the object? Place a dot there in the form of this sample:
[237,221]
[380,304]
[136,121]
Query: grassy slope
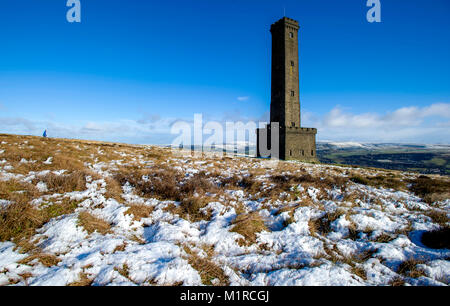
[116,165]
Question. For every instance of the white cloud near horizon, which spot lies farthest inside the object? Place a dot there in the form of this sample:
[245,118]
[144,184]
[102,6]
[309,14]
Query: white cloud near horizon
[406,116]
[243,98]
[429,124]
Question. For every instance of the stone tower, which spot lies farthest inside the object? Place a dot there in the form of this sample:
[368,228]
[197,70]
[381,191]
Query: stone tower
[295,142]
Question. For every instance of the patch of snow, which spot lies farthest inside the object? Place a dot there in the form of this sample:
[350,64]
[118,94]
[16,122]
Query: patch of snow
[4,203]
[48,161]
[325,275]
[42,187]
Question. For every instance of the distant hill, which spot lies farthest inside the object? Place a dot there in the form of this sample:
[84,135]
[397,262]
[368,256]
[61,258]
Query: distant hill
[422,158]
[324,145]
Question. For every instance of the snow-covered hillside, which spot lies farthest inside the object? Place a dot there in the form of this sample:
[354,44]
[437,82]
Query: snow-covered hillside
[79,213]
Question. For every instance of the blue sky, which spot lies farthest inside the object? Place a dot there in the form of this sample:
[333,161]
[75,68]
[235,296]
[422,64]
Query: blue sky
[132,67]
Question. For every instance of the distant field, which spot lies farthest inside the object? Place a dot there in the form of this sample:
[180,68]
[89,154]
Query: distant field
[404,158]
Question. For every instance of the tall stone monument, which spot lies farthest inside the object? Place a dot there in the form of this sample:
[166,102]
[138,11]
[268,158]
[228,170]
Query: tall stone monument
[295,142]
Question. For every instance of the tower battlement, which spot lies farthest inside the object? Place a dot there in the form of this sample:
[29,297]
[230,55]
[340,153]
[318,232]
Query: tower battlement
[285,21]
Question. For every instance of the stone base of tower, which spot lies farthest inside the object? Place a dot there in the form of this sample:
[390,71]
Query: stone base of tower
[294,143]
[299,144]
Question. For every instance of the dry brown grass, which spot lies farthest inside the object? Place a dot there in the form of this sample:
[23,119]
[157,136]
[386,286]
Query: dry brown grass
[332,254]
[93,224]
[14,190]
[389,181]
[68,154]
[290,210]
[209,249]
[75,181]
[409,268]
[39,150]
[439,217]
[248,225]
[162,182]
[190,208]
[139,211]
[65,161]
[14,154]
[124,271]
[431,190]
[248,183]
[359,271]
[384,238]
[48,260]
[113,190]
[353,233]
[26,246]
[19,221]
[13,281]
[285,183]
[63,207]
[84,281]
[313,226]
[405,230]
[397,281]
[323,225]
[137,239]
[25,276]
[208,270]
[364,255]
[353,195]
[198,184]
[165,183]
[120,247]
[354,260]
